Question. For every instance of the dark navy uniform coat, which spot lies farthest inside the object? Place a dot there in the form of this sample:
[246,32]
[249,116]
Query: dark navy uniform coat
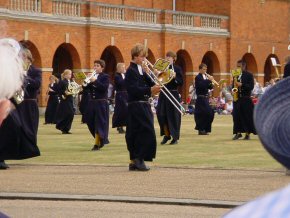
[167,114]
[97,112]
[18,133]
[243,108]
[65,111]
[140,133]
[204,113]
[121,102]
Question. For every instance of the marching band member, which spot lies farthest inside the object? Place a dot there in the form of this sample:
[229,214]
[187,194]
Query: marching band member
[121,99]
[97,112]
[65,110]
[203,114]
[52,101]
[140,133]
[243,108]
[19,131]
[169,118]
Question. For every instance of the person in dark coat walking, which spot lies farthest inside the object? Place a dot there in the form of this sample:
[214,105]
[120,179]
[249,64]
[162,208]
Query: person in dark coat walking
[52,101]
[243,107]
[65,110]
[97,112]
[140,133]
[121,100]
[18,132]
[204,113]
[168,116]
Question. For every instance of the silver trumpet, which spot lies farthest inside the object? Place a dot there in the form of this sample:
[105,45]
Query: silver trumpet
[87,80]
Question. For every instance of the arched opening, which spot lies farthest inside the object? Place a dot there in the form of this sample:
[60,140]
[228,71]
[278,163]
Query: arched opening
[184,61]
[34,51]
[251,63]
[269,70]
[111,55]
[212,62]
[213,66]
[65,57]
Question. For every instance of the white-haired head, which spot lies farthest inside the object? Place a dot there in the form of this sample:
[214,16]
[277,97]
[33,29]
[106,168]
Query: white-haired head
[11,70]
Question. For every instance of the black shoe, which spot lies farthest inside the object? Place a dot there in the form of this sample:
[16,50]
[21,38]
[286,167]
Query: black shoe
[140,165]
[96,148]
[165,139]
[132,167]
[237,136]
[101,143]
[3,165]
[66,132]
[247,137]
[121,130]
[173,142]
[202,132]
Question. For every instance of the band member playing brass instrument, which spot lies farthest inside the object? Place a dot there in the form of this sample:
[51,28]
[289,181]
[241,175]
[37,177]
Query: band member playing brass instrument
[65,110]
[243,105]
[52,100]
[119,119]
[140,133]
[18,132]
[97,112]
[169,118]
[204,113]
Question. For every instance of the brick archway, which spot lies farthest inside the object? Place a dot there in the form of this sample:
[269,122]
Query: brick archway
[184,61]
[34,51]
[111,55]
[65,57]
[213,67]
[251,63]
[212,62]
[269,70]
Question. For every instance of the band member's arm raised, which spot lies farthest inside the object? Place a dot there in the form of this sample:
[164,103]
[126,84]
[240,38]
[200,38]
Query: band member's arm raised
[204,84]
[101,83]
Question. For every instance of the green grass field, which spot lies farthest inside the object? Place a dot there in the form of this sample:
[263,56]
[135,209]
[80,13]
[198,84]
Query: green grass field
[216,150]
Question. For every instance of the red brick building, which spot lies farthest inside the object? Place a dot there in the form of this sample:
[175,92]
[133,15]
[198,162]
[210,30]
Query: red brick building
[73,33]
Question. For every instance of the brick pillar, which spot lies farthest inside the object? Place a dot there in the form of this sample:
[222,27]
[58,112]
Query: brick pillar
[46,6]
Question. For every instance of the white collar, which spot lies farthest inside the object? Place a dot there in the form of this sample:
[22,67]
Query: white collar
[140,69]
